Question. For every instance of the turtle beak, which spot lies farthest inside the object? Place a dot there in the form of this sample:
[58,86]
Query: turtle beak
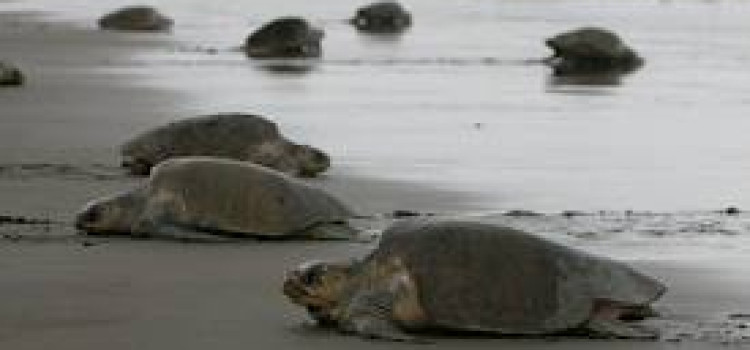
[86,218]
[293,287]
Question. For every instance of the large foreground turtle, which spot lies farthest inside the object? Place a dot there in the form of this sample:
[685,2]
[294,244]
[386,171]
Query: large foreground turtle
[237,136]
[198,198]
[285,37]
[591,50]
[136,18]
[473,277]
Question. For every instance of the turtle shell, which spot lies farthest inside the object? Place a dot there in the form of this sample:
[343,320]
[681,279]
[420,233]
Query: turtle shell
[227,135]
[238,197]
[588,42]
[136,18]
[285,37]
[384,16]
[481,277]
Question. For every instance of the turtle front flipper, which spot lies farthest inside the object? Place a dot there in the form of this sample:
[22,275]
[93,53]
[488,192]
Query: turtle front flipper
[370,316]
[157,222]
[336,231]
[186,235]
[177,233]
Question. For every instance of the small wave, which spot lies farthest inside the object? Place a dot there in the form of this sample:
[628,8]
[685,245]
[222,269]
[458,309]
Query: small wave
[218,59]
[433,61]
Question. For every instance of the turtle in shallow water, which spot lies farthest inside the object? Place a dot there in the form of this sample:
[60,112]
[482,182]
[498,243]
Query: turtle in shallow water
[226,135]
[136,18]
[285,37]
[382,17]
[590,50]
[201,198]
[464,276]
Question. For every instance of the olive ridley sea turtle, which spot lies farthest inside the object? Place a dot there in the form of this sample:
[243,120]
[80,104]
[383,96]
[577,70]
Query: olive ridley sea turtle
[465,276]
[285,37]
[382,17]
[226,135]
[202,198]
[136,18]
[590,50]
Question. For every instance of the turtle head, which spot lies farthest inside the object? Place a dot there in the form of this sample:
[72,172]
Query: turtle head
[311,161]
[135,157]
[319,287]
[136,166]
[114,215]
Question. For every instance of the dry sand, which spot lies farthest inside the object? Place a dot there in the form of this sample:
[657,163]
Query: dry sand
[63,291]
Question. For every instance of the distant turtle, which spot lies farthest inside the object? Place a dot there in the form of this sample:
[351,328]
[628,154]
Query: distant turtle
[473,277]
[237,136]
[136,18]
[286,37]
[10,75]
[590,50]
[198,198]
[382,17]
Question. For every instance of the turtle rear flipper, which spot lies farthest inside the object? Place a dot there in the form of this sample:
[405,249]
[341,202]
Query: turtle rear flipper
[609,328]
[638,313]
[607,322]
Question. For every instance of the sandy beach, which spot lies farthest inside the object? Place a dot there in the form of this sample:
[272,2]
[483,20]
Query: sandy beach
[64,291]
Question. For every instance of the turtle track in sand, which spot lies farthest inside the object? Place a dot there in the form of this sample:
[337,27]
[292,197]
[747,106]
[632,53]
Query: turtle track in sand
[86,172]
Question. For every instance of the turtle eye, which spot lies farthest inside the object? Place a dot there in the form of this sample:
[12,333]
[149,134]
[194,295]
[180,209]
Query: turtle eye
[313,275]
[310,278]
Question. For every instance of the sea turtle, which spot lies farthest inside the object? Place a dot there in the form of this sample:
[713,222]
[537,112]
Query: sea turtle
[285,37]
[229,135]
[196,198]
[136,18]
[10,75]
[382,17]
[590,50]
[464,276]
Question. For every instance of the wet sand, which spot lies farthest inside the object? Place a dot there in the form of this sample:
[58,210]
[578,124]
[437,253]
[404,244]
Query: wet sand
[122,294]
[63,291]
